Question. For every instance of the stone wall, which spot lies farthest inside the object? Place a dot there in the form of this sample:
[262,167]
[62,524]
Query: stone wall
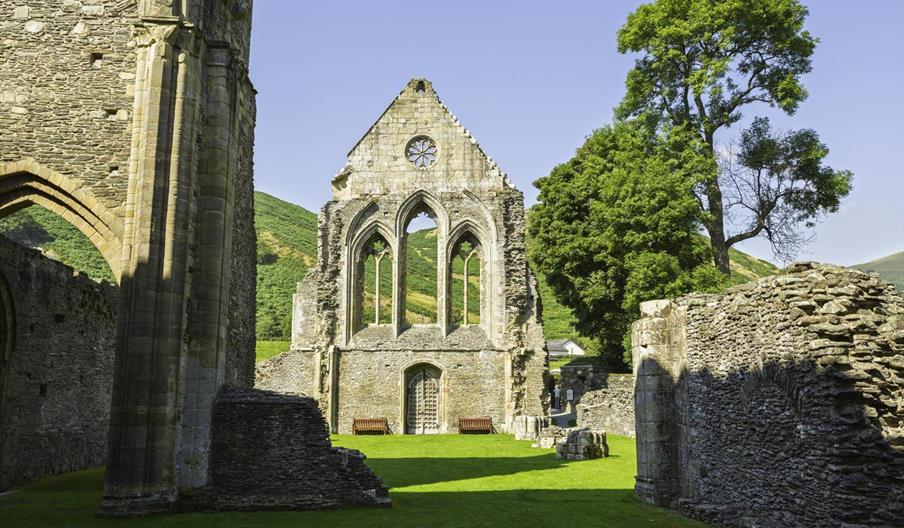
[780,403]
[134,121]
[56,368]
[56,53]
[610,409]
[371,385]
[580,379]
[272,451]
[355,368]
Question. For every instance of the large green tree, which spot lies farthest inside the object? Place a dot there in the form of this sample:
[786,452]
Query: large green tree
[701,62]
[617,225]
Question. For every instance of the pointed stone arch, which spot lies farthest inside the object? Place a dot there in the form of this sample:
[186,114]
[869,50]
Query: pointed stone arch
[488,293]
[416,203]
[358,243]
[26,183]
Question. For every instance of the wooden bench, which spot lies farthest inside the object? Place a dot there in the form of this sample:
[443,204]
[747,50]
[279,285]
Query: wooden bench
[475,425]
[370,425]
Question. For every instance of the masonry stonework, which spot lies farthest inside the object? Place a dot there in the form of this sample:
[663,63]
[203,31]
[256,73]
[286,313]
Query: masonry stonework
[779,403]
[134,121]
[611,408]
[56,366]
[358,368]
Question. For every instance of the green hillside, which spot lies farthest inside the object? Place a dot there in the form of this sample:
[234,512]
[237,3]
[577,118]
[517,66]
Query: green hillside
[890,268]
[287,247]
[38,228]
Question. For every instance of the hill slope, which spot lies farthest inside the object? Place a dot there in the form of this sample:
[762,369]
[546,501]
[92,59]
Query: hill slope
[38,228]
[890,268]
[287,247]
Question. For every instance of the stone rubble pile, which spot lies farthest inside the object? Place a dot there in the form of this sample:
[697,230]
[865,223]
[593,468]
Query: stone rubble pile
[583,444]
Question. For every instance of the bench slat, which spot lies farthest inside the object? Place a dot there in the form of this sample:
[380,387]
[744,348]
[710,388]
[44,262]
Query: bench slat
[370,425]
[469,425]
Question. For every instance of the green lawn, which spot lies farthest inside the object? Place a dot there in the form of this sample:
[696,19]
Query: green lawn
[265,350]
[468,481]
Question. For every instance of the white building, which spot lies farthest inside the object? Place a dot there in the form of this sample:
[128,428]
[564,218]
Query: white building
[564,348]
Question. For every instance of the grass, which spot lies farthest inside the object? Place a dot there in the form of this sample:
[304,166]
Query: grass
[450,481]
[286,248]
[265,350]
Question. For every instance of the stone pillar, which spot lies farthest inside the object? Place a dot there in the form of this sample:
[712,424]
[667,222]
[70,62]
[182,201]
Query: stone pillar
[144,412]
[175,305]
[204,365]
[656,357]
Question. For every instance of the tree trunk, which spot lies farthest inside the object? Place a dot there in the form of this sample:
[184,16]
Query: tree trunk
[716,227]
[716,223]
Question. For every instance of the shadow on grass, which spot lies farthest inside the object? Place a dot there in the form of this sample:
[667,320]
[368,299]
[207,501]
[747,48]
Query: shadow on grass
[402,472]
[71,500]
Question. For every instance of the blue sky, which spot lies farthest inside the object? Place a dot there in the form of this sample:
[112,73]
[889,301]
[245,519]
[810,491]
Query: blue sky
[532,79]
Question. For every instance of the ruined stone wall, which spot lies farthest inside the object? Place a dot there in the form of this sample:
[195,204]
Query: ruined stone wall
[780,403]
[292,372]
[272,451]
[355,369]
[372,385]
[66,91]
[56,383]
[611,408]
[580,379]
[243,278]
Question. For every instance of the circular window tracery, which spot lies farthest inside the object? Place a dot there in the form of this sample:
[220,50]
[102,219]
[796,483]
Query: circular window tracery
[421,151]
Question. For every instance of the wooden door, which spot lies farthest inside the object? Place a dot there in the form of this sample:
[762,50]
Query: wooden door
[422,401]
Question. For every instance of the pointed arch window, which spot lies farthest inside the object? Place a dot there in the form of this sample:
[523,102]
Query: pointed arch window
[374,291]
[466,281]
[420,272]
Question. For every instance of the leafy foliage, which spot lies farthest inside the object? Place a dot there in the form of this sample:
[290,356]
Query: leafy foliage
[701,62]
[616,226]
[777,182]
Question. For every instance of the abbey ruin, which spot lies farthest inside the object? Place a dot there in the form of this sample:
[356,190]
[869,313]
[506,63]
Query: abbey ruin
[778,403]
[355,347]
[134,120]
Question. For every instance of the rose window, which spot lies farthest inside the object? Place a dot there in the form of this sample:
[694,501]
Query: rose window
[421,151]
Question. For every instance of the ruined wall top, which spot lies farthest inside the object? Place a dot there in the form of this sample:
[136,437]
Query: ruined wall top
[416,144]
[791,384]
[224,23]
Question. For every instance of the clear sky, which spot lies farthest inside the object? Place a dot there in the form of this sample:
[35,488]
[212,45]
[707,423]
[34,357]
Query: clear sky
[531,79]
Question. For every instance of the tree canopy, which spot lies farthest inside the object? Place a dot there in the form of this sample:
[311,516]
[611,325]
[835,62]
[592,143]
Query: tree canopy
[701,62]
[617,225]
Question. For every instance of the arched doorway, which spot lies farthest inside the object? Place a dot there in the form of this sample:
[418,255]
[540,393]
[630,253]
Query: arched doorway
[423,399]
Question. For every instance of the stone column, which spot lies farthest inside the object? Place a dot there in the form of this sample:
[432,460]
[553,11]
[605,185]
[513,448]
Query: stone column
[204,365]
[150,331]
[655,364]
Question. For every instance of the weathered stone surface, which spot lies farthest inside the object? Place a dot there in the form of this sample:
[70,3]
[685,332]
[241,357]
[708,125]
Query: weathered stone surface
[272,451]
[529,427]
[134,122]
[579,379]
[749,412]
[611,408]
[358,369]
[583,444]
[57,334]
